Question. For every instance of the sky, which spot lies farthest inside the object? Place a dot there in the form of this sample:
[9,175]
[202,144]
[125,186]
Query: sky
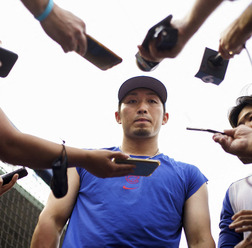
[58,96]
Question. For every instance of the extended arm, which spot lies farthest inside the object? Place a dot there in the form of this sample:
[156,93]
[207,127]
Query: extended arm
[62,26]
[237,141]
[196,220]
[187,27]
[23,149]
[235,36]
[55,215]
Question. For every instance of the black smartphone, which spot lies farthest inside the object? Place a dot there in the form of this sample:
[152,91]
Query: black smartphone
[100,55]
[166,38]
[22,172]
[144,167]
[164,33]
[7,61]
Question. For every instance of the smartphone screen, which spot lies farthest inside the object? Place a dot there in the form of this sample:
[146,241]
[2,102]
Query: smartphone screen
[99,55]
[144,167]
[7,61]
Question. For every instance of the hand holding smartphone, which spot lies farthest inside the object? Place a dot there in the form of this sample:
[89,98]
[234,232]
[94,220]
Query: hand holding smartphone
[22,172]
[144,167]
[100,56]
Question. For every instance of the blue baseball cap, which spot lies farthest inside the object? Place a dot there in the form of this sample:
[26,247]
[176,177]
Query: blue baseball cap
[143,82]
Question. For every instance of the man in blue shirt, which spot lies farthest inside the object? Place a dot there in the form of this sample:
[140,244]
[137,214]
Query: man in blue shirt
[132,211]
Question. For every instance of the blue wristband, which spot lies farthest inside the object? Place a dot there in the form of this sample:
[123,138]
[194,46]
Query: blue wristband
[46,12]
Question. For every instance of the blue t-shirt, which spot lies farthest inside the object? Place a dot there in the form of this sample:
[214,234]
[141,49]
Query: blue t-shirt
[133,211]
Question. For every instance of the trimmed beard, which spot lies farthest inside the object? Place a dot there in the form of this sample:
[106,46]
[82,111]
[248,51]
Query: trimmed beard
[142,132]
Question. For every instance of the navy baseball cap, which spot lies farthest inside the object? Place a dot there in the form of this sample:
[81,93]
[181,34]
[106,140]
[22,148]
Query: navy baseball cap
[143,82]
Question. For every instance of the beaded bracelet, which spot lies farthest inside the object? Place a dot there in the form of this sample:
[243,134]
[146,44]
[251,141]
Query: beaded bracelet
[46,12]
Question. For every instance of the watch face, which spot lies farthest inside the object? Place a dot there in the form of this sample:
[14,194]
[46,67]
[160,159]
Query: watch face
[7,60]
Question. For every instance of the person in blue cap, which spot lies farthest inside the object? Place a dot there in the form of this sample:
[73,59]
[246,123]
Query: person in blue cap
[132,211]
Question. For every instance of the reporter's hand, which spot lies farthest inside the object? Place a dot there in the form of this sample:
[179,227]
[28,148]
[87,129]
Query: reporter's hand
[237,141]
[8,186]
[66,29]
[233,39]
[184,34]
[246,243]
[100,163]
[242,222]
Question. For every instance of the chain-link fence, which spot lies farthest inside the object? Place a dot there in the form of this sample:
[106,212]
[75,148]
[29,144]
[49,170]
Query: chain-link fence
[20,208]
[19,215]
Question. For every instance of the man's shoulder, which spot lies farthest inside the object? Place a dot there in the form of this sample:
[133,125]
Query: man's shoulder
[180,166]
[177,162]
[242,181]
[238,193]
[112,148]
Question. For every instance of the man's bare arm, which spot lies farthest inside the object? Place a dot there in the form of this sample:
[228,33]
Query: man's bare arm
[55,215]
[234,38]
[23,149]
[196,220]
[68,30]
[187,27]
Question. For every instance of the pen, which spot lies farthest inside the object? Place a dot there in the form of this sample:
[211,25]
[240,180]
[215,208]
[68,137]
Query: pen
[204,130]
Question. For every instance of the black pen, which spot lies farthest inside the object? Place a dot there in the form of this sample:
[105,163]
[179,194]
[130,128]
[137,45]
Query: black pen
[204,130]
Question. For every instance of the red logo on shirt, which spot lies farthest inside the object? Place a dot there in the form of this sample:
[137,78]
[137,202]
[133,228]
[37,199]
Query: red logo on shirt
[131,180]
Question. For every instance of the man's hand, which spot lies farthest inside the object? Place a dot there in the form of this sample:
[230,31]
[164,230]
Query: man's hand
[231,42]
[157,56]
[100,163]
[237,141]
[66,29]
[242,222]
[246,243]
[233,39]
[6,187]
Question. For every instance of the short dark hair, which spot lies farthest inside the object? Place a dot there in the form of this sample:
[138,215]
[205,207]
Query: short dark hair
[241,103]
